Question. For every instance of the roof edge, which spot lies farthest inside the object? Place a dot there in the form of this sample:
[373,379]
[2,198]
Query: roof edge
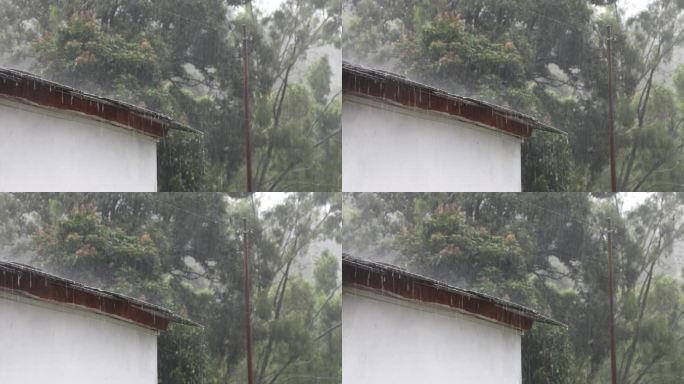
[41,92]
[34,283]
[399,89]
[386,278]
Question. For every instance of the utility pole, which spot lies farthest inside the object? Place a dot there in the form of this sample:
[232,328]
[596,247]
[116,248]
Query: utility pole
[248,317]
[613,360]
[611,124]
[248,139]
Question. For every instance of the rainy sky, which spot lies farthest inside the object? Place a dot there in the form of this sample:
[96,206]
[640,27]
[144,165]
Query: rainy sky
[268,6]
[632,6]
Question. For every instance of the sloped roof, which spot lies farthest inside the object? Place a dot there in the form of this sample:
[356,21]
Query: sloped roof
[31,89]
[397,89]
[393,281]
[20,279]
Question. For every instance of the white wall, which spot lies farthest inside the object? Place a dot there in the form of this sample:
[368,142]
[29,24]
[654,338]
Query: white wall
[390,148]
[391,341]
[54,151]
[46,343]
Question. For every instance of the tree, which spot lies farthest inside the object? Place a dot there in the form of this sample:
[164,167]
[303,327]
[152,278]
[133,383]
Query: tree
[453,251]
[318,79]
[82,246]
[285,140]
[652,126]
[292,313]
[656,229]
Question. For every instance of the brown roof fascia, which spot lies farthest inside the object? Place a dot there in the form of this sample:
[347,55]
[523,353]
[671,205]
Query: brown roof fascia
[399,90]
[395,282]
[31,89]
[33,283]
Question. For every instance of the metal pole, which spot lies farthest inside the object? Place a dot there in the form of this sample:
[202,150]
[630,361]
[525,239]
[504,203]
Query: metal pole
[613,360]
[248,140]
[248,317]
[611,124]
